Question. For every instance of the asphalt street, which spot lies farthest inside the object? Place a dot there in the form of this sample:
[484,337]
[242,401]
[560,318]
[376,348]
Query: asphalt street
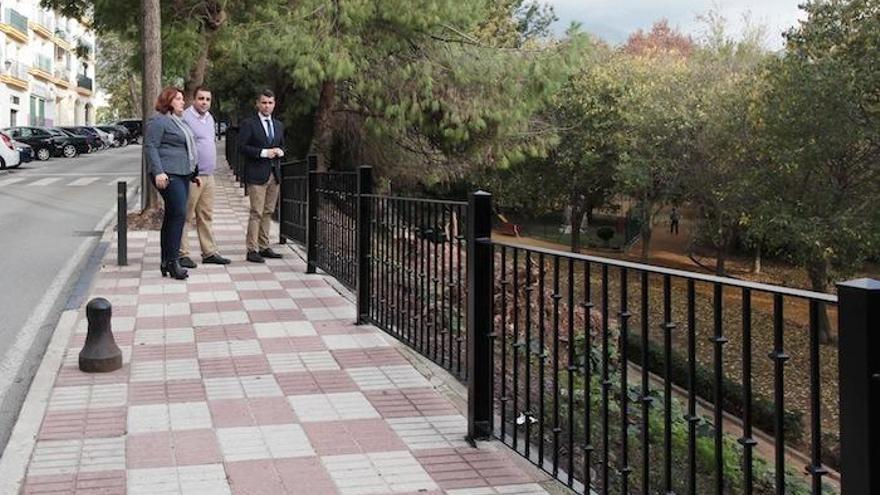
[50,213]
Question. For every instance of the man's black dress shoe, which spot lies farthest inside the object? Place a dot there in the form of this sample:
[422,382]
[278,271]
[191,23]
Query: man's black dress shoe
[255,257]
[268,253]
[216,259]
[186,262]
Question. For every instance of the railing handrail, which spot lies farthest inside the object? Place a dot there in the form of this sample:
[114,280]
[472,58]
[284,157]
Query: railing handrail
[421,200]
[700,277]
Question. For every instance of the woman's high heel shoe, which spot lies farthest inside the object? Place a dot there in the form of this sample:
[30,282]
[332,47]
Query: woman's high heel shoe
[174,269]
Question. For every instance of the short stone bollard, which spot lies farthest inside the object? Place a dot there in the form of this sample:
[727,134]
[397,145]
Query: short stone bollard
[100,354]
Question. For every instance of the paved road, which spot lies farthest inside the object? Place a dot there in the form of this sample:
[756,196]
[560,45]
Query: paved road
[49,213]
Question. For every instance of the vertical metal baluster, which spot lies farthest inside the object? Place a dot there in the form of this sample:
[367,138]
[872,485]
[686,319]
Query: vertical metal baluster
[442,261]
[374,256]
[779,358]
[588,329]
[748,443]
[435,313]
[505,284]
[624,315]
[719,340]
[606,383]
[407,263]
[459,307]
[556,429]
[450,287]
[668,326]
[528,353]
[692,417]
[424,272]
[646,391]
[817,470]
[542,355]
[571,369]
[517,344]
[395,265]
[399,265]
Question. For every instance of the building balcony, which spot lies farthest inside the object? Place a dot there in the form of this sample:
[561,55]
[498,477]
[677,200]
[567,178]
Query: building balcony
[84,84]
[42,68]
[16,75]
[43,24]
[15,25]
[62,77]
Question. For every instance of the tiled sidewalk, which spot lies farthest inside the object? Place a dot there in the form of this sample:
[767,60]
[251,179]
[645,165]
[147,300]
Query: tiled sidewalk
[251,379]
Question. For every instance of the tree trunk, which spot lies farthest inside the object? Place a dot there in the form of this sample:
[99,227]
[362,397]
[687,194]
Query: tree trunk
[577,217]
[645,232]
[197,73]
[135,102]
[720,259]
[322,137]
[151,46]
[758,259]
[818,273]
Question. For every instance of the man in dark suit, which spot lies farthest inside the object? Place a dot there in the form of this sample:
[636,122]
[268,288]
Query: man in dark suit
[261,141]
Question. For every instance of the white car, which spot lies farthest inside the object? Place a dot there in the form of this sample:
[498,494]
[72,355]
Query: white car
[9,155]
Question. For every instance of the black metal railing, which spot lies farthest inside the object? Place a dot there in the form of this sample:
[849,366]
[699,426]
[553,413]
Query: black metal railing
[294,201]
[614,377]
[416,275]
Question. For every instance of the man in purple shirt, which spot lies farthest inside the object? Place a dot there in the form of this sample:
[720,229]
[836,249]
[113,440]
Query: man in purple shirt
[200,205]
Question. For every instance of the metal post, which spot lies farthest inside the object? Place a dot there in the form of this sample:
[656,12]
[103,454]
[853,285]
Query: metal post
[121,223]
[859,379]
[364,219]
[480,276]
[312,219]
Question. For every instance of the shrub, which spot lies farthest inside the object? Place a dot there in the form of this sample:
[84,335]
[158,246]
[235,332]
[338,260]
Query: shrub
[605,233]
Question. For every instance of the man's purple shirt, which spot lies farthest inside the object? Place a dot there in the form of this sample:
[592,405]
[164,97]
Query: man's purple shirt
[203,130]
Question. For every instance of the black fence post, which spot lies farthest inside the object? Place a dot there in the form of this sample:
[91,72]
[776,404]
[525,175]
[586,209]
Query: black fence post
[121,223]
[312,206]
[859,379]
[480,276]
[364,219]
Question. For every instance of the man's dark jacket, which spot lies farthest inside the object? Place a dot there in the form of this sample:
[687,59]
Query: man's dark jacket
[252,139]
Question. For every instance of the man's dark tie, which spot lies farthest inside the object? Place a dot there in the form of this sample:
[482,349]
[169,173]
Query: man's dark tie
[271,130]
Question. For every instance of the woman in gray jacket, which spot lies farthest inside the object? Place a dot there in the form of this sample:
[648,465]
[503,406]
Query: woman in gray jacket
[170,149]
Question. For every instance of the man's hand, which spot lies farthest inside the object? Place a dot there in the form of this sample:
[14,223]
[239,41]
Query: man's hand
[279,152]
[162,181]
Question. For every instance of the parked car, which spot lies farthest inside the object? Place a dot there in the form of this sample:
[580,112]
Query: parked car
[92,137]
[119,133]
[49,141]
[25,152]
[135,128]
[9,156]
[106,137]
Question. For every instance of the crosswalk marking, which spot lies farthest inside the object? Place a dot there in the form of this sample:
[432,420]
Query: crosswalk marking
[45,182]
[84,181]
[13,180]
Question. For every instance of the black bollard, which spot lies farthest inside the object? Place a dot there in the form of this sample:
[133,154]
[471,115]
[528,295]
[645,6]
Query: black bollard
[100,354]
[121,224]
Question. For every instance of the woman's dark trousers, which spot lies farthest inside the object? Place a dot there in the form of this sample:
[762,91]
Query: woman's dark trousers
[175,196]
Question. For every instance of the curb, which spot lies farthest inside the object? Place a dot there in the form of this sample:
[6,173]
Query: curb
[17,452]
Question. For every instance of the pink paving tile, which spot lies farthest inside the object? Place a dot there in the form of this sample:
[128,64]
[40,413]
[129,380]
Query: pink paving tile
[305,344]
[149,323]
[124,310]
[262,316]
[178,321]
[240,332]
[216,367]
[318,382]
[308,302]
[210,287]
[352,437]
[158,298]
[290,315]
[276,345]
[305,475]
[149,450]
[293,284]
[210,334]
[467,468]
[317,284]
[271,410]
[271,477]
[92,423]
[247,295]
[333,302]
[410,402]
[196,447]
[375,356]
[140,393]
[275,294]
[230,306]
[163,352]
[226,413]
[251,365]
[203,307]
[99,482]
[71,375]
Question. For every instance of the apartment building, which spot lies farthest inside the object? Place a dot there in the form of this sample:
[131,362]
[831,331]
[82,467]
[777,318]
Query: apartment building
[47,67]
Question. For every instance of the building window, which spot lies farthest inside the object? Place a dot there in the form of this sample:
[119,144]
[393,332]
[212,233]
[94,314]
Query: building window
[13,117]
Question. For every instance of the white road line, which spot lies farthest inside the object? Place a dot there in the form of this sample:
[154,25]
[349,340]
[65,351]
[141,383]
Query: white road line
[6,182]
[45,182]
[84,181]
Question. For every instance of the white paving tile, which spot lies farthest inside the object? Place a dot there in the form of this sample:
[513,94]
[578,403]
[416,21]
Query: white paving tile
[207,479]
[431,432]
[524,489]
[174,369]
[83,455]
[382,472]
[356,341]
[302,361]
[221,318]
[276,329]
[264,442]
[164,336]
[88,397]
[332,407]
[241,387]
[227,348]
[387,377]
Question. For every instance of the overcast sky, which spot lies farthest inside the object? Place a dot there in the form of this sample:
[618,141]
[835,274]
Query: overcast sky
[614,20]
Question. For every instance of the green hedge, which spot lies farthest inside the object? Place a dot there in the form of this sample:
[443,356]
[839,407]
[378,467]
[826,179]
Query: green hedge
[763,411]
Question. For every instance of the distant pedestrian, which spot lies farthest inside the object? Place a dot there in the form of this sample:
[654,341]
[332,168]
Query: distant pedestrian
[674,217]
[261,141]
[200,206]
[170,150]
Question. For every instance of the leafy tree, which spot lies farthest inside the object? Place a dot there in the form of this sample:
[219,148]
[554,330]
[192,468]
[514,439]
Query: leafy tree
[820,124]
[661,38]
